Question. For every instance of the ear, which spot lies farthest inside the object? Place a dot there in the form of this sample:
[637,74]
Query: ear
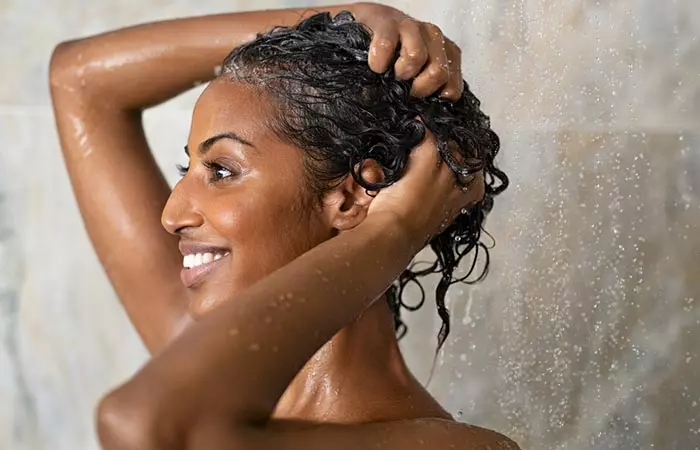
[346,205]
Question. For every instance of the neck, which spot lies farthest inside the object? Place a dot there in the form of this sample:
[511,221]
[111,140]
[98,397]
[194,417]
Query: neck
[363,359]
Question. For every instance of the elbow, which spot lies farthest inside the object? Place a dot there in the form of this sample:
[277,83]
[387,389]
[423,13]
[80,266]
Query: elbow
[66,69]
[61,65]
[126,421]
[136,416]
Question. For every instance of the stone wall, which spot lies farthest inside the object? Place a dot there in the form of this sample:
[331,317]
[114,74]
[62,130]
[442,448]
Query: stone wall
[585,333]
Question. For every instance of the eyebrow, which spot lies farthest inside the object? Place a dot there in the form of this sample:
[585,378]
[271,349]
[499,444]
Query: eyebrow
[207,143]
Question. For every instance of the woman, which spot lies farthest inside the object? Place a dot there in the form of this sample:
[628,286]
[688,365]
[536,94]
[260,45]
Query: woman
[288,227]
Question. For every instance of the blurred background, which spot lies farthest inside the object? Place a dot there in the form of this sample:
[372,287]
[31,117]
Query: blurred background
[585,334]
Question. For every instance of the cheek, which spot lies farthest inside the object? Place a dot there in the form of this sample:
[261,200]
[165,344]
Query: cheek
[264,232]
[263,239]
[253,220]
[266,216]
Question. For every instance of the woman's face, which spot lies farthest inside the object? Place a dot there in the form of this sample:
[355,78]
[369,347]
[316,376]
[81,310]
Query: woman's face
[242,210]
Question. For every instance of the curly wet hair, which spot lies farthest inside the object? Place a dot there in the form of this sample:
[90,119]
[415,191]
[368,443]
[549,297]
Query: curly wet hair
[340,113]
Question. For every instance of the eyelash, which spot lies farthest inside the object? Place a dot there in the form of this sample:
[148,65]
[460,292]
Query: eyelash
[213,169]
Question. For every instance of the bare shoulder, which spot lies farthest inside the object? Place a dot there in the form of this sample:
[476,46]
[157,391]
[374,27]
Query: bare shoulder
[461,436]
[411,434]
[478,438]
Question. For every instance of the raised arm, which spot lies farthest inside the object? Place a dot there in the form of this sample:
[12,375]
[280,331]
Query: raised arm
[195,395]
[100,85]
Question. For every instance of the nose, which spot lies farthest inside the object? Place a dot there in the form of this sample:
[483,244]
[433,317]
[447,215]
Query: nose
[180,211]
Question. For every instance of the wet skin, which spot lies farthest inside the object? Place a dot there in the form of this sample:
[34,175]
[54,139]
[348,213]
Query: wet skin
[248,200]
[245,198]
[99,87]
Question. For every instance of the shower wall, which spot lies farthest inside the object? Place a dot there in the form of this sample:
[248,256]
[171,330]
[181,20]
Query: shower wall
[585,333]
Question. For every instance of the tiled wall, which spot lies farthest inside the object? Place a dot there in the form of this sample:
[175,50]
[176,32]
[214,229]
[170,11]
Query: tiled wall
[585,333]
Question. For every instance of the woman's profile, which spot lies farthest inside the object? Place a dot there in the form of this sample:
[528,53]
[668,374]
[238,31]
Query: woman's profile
[268,283]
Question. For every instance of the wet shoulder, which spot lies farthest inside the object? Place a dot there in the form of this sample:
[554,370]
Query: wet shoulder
[462,436]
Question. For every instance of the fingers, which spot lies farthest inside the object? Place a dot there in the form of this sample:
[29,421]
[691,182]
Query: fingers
[463,192]
[414,51]
[425,159]
[437,70]
[477,189]
[455,85]
[426,55]
[381,49]
[440,192]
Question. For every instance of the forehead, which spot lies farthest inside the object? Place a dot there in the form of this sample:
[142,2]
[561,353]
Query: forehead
[224,107]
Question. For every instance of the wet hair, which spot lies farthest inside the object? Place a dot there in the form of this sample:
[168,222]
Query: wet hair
[330,104]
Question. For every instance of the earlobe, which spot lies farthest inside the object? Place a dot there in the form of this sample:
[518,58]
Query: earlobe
[350,218]
[345,208]
[349,201]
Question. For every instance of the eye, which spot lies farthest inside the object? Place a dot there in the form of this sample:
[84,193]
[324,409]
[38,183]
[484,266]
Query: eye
[218,172]
[221,172]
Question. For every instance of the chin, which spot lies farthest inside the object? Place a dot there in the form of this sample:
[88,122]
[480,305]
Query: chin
[211,294]
[202,305]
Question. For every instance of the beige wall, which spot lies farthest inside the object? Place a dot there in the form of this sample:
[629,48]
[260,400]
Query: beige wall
[585,333]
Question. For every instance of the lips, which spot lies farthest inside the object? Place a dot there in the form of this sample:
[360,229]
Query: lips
[199,260]
[194,275]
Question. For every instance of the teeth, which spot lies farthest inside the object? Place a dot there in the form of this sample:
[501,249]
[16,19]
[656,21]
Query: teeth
[197,259]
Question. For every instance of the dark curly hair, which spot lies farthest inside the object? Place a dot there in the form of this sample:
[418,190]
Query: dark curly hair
[341,113]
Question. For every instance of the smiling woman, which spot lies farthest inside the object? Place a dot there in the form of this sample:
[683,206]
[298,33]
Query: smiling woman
[321,160]
[242,194]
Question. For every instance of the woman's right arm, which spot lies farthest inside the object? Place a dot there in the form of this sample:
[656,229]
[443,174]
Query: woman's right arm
[100,86]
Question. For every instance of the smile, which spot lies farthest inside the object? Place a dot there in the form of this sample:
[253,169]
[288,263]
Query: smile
[196,266]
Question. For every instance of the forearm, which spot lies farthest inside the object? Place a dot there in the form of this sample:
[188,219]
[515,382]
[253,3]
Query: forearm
[237,362]
[143,65]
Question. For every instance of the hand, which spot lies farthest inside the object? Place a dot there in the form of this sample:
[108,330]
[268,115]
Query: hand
[428,197]
[421,43]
